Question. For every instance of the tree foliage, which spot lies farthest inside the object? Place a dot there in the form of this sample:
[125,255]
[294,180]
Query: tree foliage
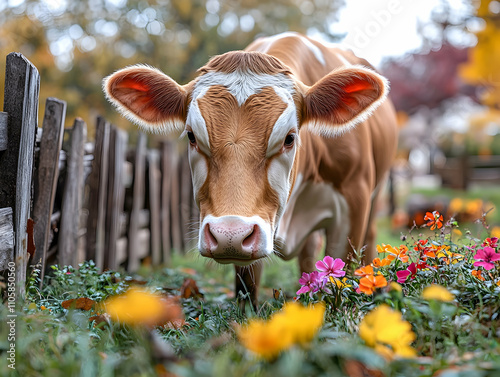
[75,44]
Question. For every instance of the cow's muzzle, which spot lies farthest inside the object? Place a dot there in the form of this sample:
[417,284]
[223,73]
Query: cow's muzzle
[235,239]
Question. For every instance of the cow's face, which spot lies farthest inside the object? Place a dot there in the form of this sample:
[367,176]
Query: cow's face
[242,117]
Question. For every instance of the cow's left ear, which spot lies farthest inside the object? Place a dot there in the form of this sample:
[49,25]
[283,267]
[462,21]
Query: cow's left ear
[342,99]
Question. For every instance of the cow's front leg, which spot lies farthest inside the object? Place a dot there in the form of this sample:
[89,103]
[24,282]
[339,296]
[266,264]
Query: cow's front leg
[247,284]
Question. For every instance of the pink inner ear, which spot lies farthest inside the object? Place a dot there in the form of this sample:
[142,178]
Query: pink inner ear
[357,86]
[134,84]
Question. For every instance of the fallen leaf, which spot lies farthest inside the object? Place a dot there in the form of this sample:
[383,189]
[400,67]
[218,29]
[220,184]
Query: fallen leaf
[354,368]
[189,271]
[190,289]
[99,318]
[83,303]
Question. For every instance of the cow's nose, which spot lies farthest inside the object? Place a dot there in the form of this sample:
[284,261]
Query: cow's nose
[232,238]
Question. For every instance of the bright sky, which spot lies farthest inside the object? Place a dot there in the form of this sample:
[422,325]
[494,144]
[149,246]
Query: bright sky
[381,28]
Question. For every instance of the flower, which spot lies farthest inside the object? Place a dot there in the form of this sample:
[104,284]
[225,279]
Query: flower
[434,219]
[438,293]
[311,283]
[364,271]
[294,324]
[477,274]
[394,252]
[340,283]
[140,307]
[385,330]
[411,271]
[491,242]
[369,283]
[331,267]
[377,262]
[485,258]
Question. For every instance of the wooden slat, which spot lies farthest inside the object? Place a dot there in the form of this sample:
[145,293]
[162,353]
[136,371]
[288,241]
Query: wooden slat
[72,197]
[138,196]
[185,199]
[175,212]
[46,177]
[22,86]
[6,238]
[154,205]
[4,137]
[116,195]
[166,152]
[98,194]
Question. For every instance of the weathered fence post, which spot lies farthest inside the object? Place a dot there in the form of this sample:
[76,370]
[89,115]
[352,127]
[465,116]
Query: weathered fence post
[98,195]
[46,177]
[4,137]
[154,206]
[22,86]
[73,197]
[116,195]
[166,150]
[175,212]
[6,237]
[138,194]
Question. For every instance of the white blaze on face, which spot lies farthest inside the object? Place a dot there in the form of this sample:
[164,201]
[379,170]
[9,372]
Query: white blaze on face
[242,85]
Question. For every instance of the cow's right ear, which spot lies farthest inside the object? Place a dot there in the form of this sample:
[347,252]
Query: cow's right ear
[148,97]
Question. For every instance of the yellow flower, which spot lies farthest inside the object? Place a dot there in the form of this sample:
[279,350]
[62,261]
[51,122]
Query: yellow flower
[140,307]
[265,339]
[456,205]
[395,287]
[437,292]
[294,324]
[495,232]
[340,283]
[385,330]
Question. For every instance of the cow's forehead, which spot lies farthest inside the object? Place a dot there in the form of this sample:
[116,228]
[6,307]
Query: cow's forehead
[243,84]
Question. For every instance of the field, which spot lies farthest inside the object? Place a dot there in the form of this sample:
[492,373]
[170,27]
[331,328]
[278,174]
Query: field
[360,321]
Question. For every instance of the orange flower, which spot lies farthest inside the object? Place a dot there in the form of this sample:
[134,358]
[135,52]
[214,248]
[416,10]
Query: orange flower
[364,271]
[369,283]
[434,220]
[381,263]
[394,252]
[477,274]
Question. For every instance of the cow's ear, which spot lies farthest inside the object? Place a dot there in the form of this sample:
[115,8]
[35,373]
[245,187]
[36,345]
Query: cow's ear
[148,97]
[342,99]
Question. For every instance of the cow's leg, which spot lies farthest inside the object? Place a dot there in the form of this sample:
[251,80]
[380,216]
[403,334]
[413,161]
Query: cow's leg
[371,230]
[311,251]
[247,282]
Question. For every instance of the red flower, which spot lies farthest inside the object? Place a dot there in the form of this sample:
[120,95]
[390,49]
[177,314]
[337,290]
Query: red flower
[434,220]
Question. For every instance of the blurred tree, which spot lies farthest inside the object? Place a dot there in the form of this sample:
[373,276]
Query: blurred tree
[484,59]
[75,44]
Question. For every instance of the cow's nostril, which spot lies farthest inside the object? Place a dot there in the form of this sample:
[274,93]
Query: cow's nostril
[252,239]
[210,238]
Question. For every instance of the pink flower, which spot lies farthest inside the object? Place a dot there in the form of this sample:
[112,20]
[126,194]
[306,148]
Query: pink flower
[331,267]
[486,257]
[410,271]
[311,283]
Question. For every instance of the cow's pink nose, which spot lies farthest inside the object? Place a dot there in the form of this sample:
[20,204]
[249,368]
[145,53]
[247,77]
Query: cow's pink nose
[231,239]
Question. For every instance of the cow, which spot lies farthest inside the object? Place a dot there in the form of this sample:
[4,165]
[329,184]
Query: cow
[289,144]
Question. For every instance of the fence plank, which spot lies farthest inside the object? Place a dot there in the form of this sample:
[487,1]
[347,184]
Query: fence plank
[46,177]
[98,194]
[185,199]
[116,195]
[138,196]
[4,137]
[166,150]
[6,238]
[175,212]
[22,86]
[154,206]
[73,197]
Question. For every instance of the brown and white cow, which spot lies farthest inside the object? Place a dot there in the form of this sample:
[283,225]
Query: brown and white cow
[287,139]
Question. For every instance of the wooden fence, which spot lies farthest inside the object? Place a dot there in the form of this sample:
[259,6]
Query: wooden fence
[64,199]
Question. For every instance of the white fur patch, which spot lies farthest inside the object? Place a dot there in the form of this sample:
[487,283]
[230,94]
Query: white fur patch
[199,171]
[242,84]
[197,123]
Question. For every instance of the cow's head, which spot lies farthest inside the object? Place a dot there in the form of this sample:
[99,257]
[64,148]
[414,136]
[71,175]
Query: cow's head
[242,116]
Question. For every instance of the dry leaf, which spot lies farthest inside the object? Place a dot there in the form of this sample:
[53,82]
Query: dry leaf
[83,303]
[354,368]
[99,318]
[190,289]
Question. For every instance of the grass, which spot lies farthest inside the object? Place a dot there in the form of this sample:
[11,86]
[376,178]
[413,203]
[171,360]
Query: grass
[458,338]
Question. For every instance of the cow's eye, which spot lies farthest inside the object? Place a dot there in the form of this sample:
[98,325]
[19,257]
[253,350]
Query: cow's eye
[289,140]
[192,139]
